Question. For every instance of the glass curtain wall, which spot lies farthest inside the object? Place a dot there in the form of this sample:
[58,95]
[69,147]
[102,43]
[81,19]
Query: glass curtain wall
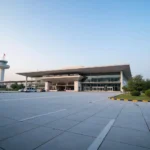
[101,83]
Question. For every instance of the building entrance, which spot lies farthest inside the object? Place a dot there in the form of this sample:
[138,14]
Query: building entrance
[97,87]
[101,88]
[109,88]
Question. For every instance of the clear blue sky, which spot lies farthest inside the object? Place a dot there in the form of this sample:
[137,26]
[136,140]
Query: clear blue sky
[51,34]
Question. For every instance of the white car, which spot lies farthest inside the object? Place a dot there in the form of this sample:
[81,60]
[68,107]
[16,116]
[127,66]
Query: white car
[30,90]
[21,90]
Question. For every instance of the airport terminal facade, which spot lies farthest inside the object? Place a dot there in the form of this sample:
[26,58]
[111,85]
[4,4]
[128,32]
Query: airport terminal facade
[104,78]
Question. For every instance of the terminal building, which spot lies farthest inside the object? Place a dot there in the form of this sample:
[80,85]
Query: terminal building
[104,78]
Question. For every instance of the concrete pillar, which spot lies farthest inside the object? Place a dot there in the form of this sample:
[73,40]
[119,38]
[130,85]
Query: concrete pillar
[2,72]
[77,86]
[47,84]
[121,81]
[26,83]
[66,87]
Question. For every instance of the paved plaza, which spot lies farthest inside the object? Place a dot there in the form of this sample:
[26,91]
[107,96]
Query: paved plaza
[72,121]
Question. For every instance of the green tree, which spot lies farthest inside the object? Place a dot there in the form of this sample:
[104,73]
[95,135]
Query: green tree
[14,86]
[17,86]
[125,88]
[146,85]
[21,86]
[136,83]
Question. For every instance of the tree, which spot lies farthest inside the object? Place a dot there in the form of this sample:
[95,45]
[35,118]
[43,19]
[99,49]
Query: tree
[21,86]
[136,83]
[14,86]
[125,88]
[17,86]
[146,85]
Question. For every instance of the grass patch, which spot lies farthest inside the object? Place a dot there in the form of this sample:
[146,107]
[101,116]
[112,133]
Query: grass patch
[128,96]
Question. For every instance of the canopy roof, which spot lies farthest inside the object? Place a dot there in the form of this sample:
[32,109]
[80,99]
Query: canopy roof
[56,79]
[82,71]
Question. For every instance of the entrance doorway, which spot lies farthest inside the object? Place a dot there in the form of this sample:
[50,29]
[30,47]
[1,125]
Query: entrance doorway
[101,88]
[109,88]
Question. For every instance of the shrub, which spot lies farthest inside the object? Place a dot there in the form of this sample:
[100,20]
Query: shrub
[147,93]
[135,93]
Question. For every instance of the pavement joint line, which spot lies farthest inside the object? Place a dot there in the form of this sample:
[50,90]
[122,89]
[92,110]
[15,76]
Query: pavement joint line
[2,148]
[50,127]
[67,130]
[80,134]
[72,126]
[7,117]
[121,110]
[98,141]
[19,99]
[146,148]
[117,126]
[78,120]
[49,140]
[144,118]
[20,133]
[42,115]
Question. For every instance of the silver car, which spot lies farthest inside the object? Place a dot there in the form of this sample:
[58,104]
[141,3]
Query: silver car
[30,89]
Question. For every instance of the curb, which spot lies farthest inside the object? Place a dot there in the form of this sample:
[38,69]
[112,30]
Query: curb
[128,100]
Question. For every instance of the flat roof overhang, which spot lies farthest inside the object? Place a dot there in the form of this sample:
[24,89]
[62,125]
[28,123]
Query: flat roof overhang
[20,81]
[61,79]
[83,71]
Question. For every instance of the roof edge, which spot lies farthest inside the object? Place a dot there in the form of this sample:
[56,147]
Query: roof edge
[20,73]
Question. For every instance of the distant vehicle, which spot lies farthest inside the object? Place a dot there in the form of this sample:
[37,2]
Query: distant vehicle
[30,89]
[42,90]
[21,90]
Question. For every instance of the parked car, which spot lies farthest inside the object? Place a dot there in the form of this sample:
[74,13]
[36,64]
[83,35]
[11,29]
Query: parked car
[21,90]
[30,90]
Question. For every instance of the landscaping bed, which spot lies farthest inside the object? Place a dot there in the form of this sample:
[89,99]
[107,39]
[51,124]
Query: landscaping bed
[128,97]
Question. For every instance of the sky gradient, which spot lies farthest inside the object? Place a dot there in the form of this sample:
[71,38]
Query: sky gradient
[52,34]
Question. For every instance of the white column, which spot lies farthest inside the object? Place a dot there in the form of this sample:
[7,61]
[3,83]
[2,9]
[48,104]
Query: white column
[47,84]
[26,84]
[2,72]
[121,81]
[77,86]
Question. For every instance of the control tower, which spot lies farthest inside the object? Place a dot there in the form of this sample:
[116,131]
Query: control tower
[3,66]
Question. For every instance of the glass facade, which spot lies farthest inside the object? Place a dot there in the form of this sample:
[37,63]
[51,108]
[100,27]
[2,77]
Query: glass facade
[101,83]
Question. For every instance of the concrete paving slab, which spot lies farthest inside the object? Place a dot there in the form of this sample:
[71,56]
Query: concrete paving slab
[18,115]
[132,108]
[14,129]
[30,140]
[109,145]
[42,120]
[129,136]
[62,124]
[97,120]
[5,121]
[62,114]
[68,141]
[108,114]
[131,115]
[101,137]
[89,129]
[91,109]
[147,119]
[79,116]
[138,124]
[131,124]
